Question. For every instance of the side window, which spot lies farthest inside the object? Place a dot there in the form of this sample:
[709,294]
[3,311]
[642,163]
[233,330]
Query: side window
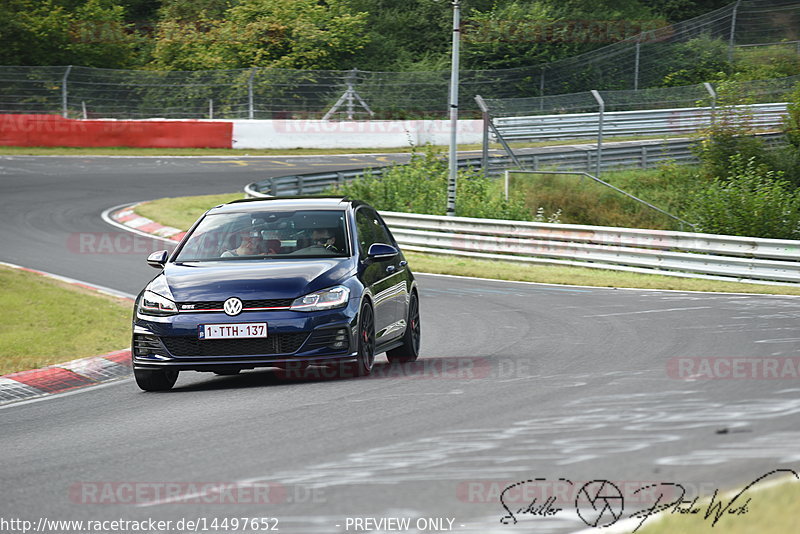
[386,236]
[370,230]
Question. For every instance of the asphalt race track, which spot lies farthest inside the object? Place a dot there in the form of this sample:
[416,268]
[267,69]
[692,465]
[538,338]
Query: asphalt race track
[516,382]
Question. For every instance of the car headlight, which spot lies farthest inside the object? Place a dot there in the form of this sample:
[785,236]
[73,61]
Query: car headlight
[154,304]
[327,299]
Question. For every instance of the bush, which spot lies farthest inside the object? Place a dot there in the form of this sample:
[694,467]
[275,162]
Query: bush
[792,122]
[764,62]
[729,135]
[750,201]
[702,59]
[421,187]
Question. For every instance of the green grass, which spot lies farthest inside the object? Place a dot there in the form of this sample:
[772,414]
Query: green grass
[46,321]
[771,511]
[182,212]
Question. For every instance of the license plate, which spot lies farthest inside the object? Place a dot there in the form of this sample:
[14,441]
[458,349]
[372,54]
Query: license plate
[232,331]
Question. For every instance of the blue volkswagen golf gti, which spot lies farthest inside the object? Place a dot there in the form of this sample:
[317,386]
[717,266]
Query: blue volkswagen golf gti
[279,282]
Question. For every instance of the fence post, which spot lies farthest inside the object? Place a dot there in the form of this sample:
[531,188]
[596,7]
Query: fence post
[210,108]
[351,81]
[83,110]
[541,91]
[732,38]
[602,105]
[485,148]
[636,66]
[250,110]
[64,91]
[713,93]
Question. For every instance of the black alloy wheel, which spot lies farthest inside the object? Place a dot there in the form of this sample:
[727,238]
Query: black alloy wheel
[366,341]
[409,350]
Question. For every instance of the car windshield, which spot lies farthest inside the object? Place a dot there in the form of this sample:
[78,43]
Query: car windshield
[268,234]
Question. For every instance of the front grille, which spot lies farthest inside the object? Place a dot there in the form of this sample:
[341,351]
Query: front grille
[274,344]
[268,303]
[217,304]
[144,345]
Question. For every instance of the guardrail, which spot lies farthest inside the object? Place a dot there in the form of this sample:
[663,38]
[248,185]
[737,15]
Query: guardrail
[632,123]
[645,154]
[686,254]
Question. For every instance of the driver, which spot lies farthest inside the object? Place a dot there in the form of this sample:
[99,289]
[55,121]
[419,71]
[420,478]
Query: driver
[249,246]
[321,239]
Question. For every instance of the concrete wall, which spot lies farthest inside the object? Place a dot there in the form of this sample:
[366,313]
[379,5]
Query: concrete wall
[53,130]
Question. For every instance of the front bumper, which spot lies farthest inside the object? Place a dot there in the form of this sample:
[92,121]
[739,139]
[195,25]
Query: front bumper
[294,339]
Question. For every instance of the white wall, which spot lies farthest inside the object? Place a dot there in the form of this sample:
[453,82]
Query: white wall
[353,134]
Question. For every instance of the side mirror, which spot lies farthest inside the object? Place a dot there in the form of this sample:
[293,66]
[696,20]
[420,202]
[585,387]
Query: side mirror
[381,251]
[158,259]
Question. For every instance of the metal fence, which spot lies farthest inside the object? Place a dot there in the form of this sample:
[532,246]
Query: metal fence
[634,123]
[694,255]
[264,93]
[641,154]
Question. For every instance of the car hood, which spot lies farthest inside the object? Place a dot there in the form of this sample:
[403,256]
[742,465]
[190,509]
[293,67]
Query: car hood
[258,279]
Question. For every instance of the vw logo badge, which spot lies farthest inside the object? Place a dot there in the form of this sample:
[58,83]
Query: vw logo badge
[232,306]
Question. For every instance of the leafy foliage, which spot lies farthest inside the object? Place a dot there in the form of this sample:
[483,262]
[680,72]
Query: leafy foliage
[698,60]
[764,62]
[302,34]
[93,34]
[792,123]
[731,133]
[750,201]
[421,187]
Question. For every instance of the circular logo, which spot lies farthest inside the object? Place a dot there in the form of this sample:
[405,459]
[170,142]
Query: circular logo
[232,306]
[599,503]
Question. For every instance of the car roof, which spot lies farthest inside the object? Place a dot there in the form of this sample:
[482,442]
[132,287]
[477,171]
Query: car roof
[285,203]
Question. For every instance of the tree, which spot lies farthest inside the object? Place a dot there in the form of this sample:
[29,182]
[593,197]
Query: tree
[702,59]
[680,10]
[302,34]
[49,33]
[528,34]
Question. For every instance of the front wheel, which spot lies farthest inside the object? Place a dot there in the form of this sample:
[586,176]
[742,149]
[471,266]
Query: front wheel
[366,341]
[409,350]
[155,379]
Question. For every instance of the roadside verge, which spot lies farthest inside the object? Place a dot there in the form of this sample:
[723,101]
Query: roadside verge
[70,375]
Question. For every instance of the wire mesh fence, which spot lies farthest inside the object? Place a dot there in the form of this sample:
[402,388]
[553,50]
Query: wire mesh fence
[626,67]
[691,96]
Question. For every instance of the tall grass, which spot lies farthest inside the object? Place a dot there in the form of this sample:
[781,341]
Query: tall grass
[584,201]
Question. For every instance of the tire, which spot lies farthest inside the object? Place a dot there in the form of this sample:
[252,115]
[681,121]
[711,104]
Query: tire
[409,350]
[366,341]
[155,379]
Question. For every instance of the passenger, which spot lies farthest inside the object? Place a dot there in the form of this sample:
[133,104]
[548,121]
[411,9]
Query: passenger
[250,245]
